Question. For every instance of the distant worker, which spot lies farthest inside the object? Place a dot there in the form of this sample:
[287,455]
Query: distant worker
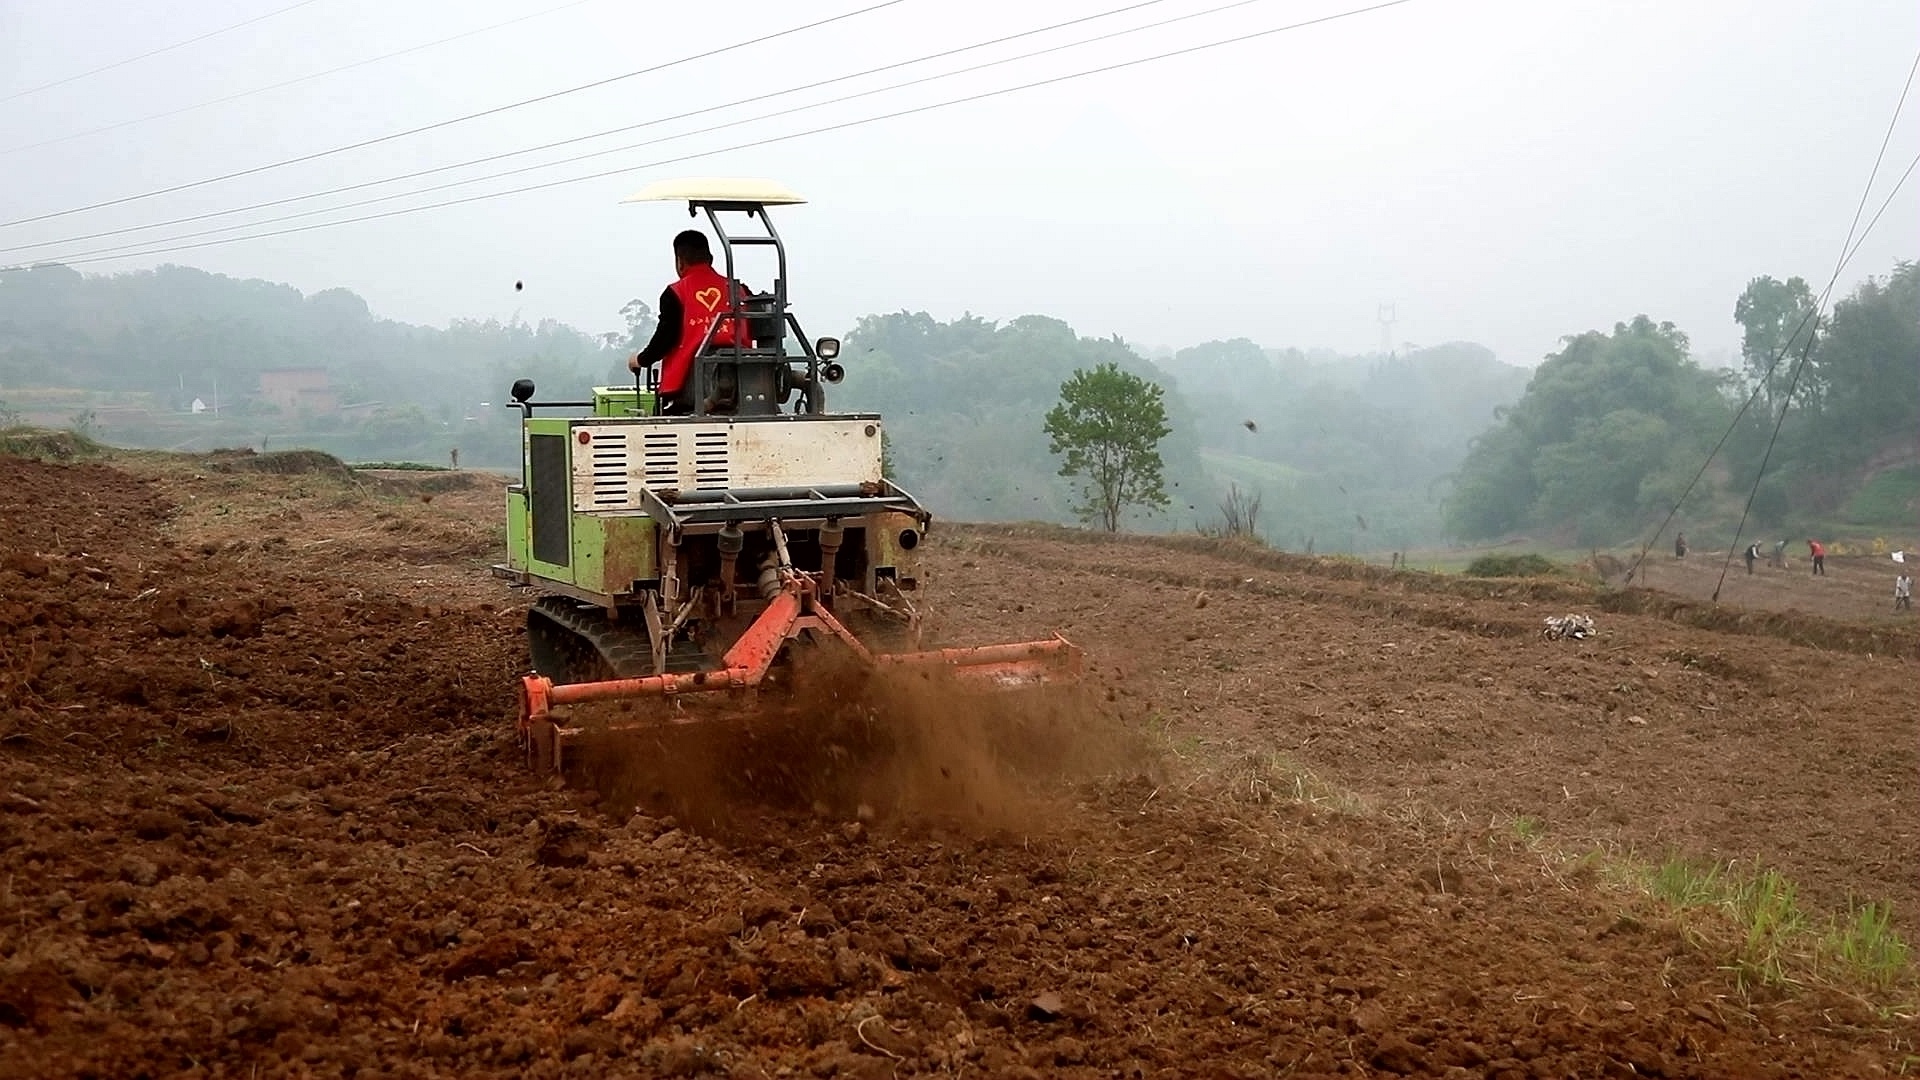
[1780,555]
[687,308]
[1819,552]
[1903,592]
[1680,545]
[1753,556]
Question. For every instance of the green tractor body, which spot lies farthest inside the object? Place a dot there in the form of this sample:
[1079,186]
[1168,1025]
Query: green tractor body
[578,523]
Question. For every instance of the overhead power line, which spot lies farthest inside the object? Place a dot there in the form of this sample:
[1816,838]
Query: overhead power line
[771,140]
[1888,201]
[17,94]
[1766,379]
[458,119]
[1848,248]
[294,82]
[1885,141]
[631,127]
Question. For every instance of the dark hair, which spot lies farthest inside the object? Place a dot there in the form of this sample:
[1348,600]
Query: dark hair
[691,246]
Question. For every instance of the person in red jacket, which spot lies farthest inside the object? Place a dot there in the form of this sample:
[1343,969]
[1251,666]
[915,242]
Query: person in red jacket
[1819,551]
[687,308]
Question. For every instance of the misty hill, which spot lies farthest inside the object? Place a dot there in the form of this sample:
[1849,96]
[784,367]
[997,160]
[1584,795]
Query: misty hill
[965,402]
[148,344]
[1346,453]
[1352,453]
[1334,442]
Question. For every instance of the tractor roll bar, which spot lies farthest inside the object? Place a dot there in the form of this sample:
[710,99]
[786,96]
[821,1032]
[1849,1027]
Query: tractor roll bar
[708,358]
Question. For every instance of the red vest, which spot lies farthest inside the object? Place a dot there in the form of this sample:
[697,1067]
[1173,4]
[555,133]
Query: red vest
[702,293]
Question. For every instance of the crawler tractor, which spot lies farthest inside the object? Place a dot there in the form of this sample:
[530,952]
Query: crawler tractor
[695,557]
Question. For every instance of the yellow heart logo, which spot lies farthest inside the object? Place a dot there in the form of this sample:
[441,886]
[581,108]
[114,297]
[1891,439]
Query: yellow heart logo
[708,298]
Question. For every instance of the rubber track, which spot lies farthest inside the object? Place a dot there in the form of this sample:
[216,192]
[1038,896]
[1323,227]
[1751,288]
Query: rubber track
[622,647]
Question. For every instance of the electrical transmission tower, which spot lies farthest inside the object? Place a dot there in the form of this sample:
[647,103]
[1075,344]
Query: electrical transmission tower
[1385,316]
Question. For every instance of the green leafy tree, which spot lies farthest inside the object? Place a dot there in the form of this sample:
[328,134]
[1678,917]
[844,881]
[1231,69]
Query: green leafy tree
[1868,365]
[1773,319]
[1495,489]
[1109,424]
[1864,373]
[1598,440]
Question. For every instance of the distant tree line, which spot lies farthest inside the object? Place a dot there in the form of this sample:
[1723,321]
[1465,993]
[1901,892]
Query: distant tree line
[1348,451]
[1613,427]
[175,334]
[1342,452]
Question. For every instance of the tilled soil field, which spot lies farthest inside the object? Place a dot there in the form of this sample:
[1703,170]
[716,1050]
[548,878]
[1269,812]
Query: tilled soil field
[1858,587]
[259,816]
[1686,727]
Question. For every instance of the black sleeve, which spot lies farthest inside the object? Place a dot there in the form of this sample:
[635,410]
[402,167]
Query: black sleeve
[666,334]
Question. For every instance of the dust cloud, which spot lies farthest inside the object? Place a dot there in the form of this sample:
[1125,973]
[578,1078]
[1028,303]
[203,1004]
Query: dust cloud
[861,748]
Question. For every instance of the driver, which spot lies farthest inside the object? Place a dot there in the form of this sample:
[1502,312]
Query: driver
[687,308]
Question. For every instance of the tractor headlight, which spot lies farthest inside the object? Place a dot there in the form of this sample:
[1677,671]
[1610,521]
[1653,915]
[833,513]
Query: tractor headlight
[827,348]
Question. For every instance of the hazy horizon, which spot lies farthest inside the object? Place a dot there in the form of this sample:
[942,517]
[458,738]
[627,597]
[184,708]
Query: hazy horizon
[1499,172]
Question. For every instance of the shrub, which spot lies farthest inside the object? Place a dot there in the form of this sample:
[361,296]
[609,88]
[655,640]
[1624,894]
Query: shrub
[1527,565]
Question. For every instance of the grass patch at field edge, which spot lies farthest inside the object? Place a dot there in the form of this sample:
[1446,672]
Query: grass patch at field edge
[1773,940]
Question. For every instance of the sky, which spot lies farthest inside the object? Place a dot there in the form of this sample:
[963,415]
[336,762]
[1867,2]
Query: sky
[1501,171]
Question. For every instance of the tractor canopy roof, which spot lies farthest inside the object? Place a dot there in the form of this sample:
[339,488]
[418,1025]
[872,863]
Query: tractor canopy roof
[718,189]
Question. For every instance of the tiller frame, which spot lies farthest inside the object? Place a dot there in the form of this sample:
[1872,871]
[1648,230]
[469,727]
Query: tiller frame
[795,609]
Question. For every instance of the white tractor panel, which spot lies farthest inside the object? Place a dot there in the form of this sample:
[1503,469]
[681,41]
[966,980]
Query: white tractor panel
[620,458]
